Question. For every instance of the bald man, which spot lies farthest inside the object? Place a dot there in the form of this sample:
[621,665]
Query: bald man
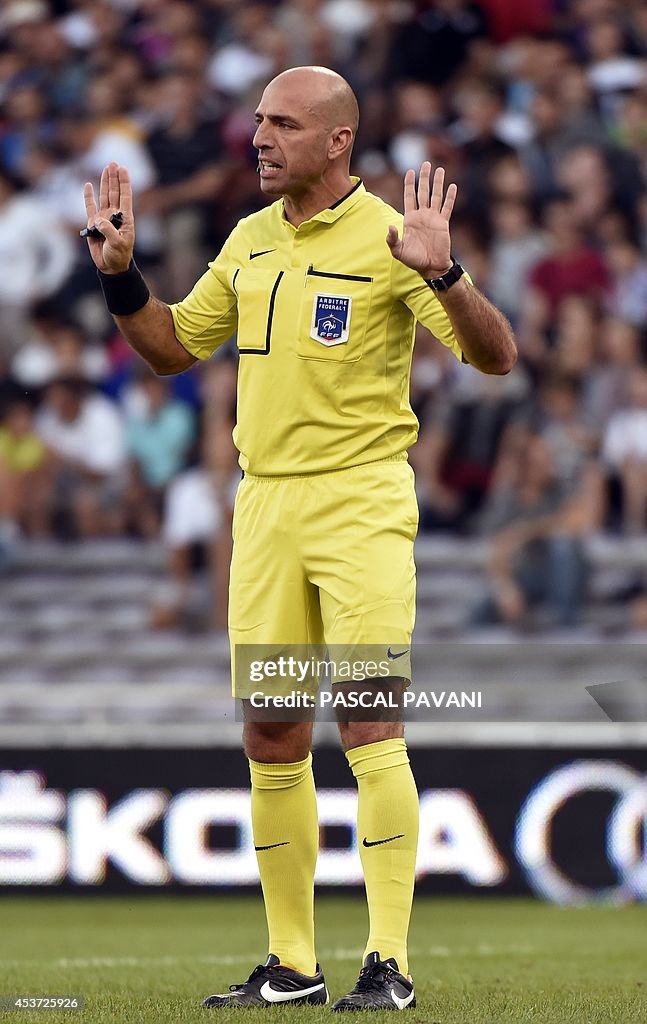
[323,289]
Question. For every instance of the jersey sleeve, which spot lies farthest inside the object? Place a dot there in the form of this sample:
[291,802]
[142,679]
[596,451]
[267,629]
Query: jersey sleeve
[208,316]
[425,305]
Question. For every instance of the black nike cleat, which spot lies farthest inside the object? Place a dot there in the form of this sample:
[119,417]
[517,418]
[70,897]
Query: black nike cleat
[271,983]
[380,986]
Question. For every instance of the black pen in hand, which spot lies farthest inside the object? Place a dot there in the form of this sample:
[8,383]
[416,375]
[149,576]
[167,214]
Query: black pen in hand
[116,220]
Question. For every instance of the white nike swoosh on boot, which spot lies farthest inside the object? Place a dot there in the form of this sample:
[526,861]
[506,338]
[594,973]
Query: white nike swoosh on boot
[272,996]
[401,1003]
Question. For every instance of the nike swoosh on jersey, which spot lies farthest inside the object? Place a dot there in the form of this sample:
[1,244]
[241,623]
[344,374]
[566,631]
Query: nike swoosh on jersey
[401,1003]
[378,842]
[393,656]
[272,996]
[264,252]
[272,846]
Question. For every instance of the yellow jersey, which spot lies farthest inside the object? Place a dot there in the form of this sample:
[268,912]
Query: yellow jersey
[324,318]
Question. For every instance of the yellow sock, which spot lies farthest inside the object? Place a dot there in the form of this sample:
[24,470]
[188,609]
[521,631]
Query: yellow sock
[286,836]
[387,830]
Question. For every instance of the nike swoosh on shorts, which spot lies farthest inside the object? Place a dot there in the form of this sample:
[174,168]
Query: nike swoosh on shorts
[393,656]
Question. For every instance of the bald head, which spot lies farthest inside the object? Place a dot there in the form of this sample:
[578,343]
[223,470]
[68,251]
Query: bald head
[325,93]
[305,128]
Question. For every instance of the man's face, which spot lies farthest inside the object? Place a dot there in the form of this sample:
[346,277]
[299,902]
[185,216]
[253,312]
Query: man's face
[292,140]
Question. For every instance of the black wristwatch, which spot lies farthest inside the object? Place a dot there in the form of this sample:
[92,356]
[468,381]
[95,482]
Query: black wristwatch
[446,280]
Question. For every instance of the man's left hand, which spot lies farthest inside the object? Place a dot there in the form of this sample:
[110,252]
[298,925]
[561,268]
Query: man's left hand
[425,244]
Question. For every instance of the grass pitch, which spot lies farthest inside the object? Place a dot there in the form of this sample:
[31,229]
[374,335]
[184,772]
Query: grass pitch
[139,960]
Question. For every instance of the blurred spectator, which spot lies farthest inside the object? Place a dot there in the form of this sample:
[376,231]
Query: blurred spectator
[619,353]
[84,431]
[11,65]
[28,125]
[478,132]
[459,447]
[575,345]
[600,181]
[629,129]
[517,245]
[244,61]
[562,427]
[612,70]
[570,268]
[580,114]
[24,477]
[628,295]
[509,180]
[159,432]
[55,183]
[625,454]
[435,42]
[186,152]
[49,62]
[418,114]
[194,518]
[508,19]
[161,26]
[198,510]
[584,175]
[537,525]
[36,257]
[302,23]
[56,349]
[91,25]
[541,154]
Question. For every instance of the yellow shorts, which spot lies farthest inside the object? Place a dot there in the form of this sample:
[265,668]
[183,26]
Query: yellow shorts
[326,558]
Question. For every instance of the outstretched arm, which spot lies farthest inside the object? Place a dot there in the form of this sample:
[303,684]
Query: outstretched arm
[148,329]
[482,331]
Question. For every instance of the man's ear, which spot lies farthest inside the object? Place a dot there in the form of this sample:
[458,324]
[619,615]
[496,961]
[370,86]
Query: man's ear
[341,142]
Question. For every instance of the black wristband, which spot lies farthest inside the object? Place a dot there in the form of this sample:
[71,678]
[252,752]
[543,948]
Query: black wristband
[125,293]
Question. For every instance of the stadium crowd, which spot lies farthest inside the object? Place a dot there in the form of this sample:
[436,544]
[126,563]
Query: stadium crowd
[538,111]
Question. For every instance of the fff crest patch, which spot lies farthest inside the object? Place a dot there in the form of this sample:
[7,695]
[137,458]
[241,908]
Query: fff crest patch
[331,319]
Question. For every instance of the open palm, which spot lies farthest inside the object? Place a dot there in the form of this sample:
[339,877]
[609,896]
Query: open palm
[425,244]
[113,252]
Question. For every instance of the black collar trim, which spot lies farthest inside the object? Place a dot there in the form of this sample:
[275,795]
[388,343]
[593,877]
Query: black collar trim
[347,196]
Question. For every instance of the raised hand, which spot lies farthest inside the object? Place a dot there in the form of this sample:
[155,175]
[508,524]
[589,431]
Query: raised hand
[425,243]
[112,253]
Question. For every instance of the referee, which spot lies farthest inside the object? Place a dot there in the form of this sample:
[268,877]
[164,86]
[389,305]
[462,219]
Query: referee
[323,289]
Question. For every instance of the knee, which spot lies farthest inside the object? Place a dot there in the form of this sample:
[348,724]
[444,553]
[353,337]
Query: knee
[359,734]
[277,742]
[357,727]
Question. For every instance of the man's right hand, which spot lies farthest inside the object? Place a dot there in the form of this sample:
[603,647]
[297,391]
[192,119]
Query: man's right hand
[112,253]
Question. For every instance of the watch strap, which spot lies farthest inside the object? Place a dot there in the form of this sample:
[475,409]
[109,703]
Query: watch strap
[446,280]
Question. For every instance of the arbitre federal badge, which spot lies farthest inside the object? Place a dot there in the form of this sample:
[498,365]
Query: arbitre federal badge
[331,319]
